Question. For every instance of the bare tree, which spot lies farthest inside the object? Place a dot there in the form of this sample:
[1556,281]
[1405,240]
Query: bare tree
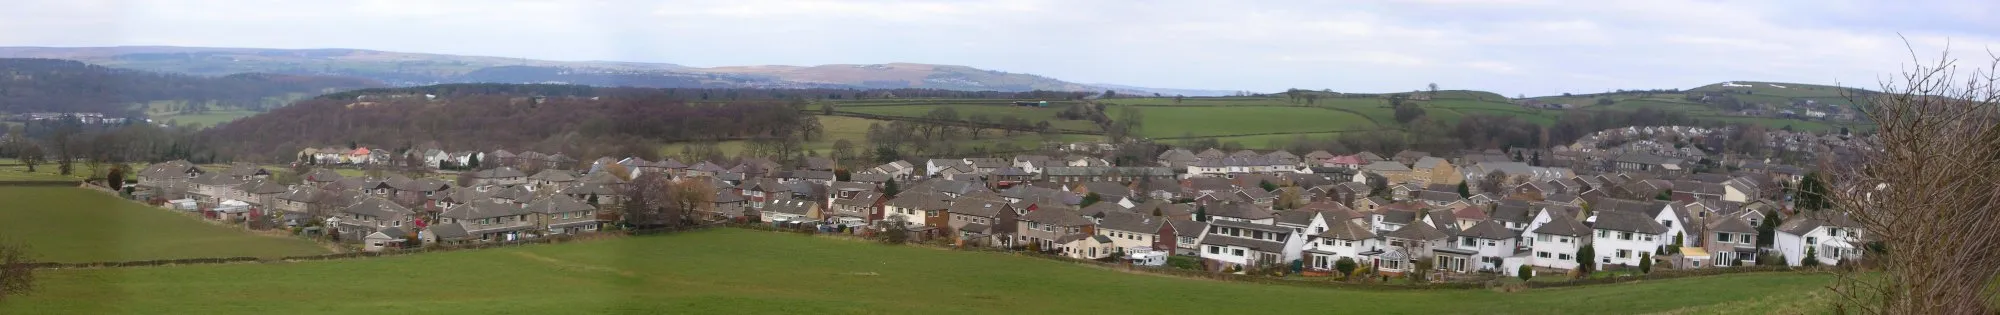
[1928,195]
[16,275]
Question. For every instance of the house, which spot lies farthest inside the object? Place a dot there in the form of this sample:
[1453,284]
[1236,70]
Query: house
[854,207]
[1493,246]
[1731,241]
[788,210]
[1050,228]
[1240,212]
[386,238]
[1395,173]
[1091,247]
[1134,230]
[1829,238]
[500,176]
[368,215]
[1176,158]
[488,221]
[1247,164]
[1621,237]
[1246,244]
[1641,162]
[984,222]
[1076,174]
[1410,157]
[561,214]
[917,209]
[1441,199]
[1555,240]
[1187,235]
[1433,170]
[815,163]
[552,179]
[1342,239]
[1414,241]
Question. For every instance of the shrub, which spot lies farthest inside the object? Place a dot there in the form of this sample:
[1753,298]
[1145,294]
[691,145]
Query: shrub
[1184,262]
[1345,265]
[1812,257]
[1525,273]
[1645,263]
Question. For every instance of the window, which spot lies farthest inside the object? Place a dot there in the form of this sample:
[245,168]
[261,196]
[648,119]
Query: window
[1542,238]
[1722,237]
[1647,238]
[1542,254]
[1237,252]
[1812,240]
[1625,236]
[1564,257]
[1624,253]
[1467,242]
[1833,232]
[1603,233]
[1696,263]
[1214,250]
[1564,240]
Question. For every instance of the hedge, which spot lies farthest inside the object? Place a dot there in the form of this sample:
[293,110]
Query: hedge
[390,252]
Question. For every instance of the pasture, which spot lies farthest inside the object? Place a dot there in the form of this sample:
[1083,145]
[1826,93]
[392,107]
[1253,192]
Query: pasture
[63,224]
[731,271]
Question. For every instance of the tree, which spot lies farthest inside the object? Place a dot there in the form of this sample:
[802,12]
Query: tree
[1665,195]
[116,178]
[1813,194]
[1434,90]
[1464,190]
[1586,259]
[1812,257]
[1535,159]
[1090,199]
[826,108]
[1767,230]
[465,179]
[1378,186]
[1420,269]
[592,200]
[1288,199]
[1267,185]
[472,162]
[1345,265]
[16,276]
[1201,213]
[1525,272]
[1493,183]
[1645,263]
[889,188]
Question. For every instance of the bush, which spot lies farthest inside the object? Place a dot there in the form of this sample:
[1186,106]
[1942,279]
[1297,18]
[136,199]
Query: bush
[1184,262]
[1526,272]
[1645,263]
[1812,257]
[1345,265]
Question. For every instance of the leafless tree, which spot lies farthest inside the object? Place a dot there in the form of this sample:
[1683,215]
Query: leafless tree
[1928,195]
[16,277]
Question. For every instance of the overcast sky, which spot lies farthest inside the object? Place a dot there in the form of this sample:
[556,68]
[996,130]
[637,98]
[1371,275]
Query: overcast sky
[1533,47]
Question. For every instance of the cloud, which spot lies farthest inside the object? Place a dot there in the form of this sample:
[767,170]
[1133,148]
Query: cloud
[1516,46]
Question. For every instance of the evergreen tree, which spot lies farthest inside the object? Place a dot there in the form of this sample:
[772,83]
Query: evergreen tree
[1090,199]
[593,199]
[1585,257]
[1812,257]
[472,162]
[1201,213]
[1645,263]
[889,188]
[1463,190]
[1767,230]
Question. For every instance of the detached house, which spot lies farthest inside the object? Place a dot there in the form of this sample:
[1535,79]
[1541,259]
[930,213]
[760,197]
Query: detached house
[1342,239]
[985,222]
[1052,227]
[1493,246]
[1412,242]
[1133,230]
[1621,237]
[1555,241]
[1731,241]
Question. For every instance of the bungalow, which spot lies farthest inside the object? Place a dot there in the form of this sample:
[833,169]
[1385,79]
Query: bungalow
[787,210]
[1091,247]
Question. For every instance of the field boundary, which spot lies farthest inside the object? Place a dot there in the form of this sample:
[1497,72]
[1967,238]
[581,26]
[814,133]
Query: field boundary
[556,239]
[1273,134]
[960,123]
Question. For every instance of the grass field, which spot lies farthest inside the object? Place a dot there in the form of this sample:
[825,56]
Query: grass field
[12,169]
[752,272]
[75,225]
[993,113]
[856,130]
[1164,122]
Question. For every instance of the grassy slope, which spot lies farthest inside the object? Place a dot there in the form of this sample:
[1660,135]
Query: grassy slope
[12,169]
[1236,120]
[750,272]
[856,130]
[993,112]
[76,225]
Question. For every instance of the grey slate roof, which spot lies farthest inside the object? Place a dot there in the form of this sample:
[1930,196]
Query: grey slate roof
[482,209]
[1259,245]
[1628,222]
[1437,196]
[1489,229]
[1237,210]
[1564,225]
[1131,222]
[1296,217]
[558,204]
[1732,224]
[1418,231]
[1347,230]
[1056,216]
[798,207]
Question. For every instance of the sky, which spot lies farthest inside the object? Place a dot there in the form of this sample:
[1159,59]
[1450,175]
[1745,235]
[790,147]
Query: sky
[1514,47]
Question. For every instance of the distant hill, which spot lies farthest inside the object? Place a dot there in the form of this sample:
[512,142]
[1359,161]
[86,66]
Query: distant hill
[413,69]
[49,85]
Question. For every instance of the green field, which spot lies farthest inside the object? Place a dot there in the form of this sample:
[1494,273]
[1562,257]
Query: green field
[161,112]
[856,130]
[76,225]
[734,271]
[992,112]
[1163,122]
[12,169]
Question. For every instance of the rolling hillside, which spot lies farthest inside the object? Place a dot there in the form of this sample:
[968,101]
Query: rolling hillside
[49,85]
[410,69]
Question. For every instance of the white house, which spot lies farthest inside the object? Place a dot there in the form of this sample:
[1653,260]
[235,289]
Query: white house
[1128,230]
[1341,239]
[1492,244]
[1621,237]
[1555,239]
[1250,244]
[1830,238]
